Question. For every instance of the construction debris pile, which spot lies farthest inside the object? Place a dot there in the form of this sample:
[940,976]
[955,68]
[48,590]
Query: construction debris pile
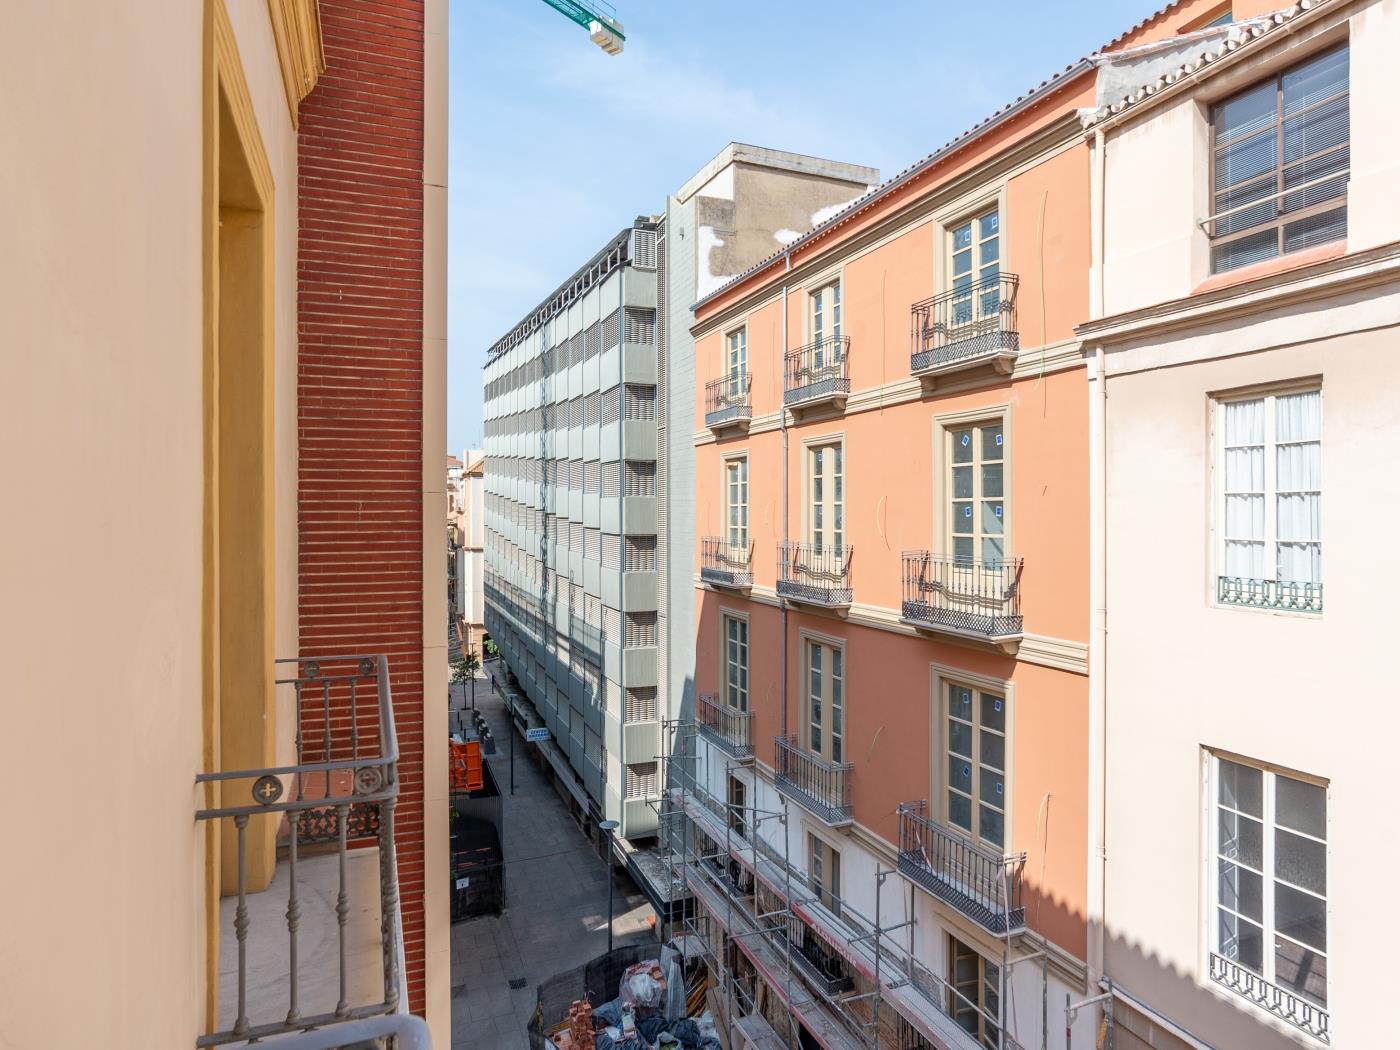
[659,1006]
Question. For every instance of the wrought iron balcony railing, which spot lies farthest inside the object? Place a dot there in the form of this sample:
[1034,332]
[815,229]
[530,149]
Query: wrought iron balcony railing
[726,727]
[727,401]
[984,886]
[817,373]
[1269,594]
[1296,1010]
[822,787]
[817,575]
[979,599]
[967,326]
[726,564]
[341,790]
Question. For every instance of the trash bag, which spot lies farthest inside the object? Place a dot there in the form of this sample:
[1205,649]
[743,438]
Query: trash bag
[687,1032]
[643,987]
[651,1027]
[675,983]
[608,1015]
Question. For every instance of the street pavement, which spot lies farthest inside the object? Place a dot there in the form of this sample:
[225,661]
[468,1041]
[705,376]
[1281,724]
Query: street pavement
[556,913]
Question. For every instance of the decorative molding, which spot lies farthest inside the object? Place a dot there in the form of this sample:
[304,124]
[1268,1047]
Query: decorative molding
[296,26]
[1059,653]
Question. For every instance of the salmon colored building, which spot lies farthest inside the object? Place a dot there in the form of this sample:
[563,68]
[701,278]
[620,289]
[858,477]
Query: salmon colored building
[892,499]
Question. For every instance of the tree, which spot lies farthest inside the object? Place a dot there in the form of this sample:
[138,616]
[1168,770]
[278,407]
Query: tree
[460,669]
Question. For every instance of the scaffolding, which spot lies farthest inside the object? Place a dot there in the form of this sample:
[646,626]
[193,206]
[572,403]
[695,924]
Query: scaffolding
[851,982]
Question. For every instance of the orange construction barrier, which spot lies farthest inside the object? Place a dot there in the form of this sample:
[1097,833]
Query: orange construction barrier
[464,763]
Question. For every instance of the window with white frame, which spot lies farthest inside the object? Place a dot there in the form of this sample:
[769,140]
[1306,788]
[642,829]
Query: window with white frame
[975,266]
[736,358]
[976,761]
[736,663]
[1269,484]
[736,498]
[977,490]
[826,515]
[824,867]
[826,316]
[1269,859]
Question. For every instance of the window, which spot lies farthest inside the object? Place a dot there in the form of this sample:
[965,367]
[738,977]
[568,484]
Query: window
[826,490]
[824,867]
[826,319]
[976,760]
[1280,159]
[736,663]
[736,497]
[975,264]
[1270,877]
[826,703]
[974,992]
[737,358]
[1269,467]
[977,485]
[738,802]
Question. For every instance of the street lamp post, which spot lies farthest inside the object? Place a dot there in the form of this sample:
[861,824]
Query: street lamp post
[610,826]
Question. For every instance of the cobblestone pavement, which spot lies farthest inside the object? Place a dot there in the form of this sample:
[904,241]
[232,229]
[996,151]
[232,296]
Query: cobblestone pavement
[556,914]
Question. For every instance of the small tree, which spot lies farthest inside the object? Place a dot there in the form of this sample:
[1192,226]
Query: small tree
[460,669]
[491,649]
[471,665]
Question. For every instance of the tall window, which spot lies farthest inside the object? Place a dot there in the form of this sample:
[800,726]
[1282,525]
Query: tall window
[737,359]
[974,992]
[736,498]
[826,314]
[738,803]
[1270,488]
[826,701]
[976,761]
[1282,152]
[824,867]
[1270,837]
[975,262]
[826,519]
[736,663]
[977,485]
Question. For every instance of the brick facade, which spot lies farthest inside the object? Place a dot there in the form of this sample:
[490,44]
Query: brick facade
[360,380]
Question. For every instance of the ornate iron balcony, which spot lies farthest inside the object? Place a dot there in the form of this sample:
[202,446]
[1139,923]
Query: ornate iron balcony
[725,727]
[982,885]
[967,327]
[816,575]
[818,373]
[978,599]
[1297,1011]
[342,789]
[822,787]
[725,564]
[1269,594]
[727,401]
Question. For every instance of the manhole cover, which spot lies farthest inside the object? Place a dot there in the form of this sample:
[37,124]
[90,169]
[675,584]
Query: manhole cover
[517,983]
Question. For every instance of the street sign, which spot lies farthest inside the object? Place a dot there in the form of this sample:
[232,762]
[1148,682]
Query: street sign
[537,735]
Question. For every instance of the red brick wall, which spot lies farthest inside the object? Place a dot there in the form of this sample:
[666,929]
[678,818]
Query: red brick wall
[360,379]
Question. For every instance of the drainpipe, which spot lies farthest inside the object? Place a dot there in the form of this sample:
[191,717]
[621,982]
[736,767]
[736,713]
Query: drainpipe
[782,425]
[1098,591]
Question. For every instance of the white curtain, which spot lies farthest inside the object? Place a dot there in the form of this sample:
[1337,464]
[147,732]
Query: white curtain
[1298,419]
[1244,489]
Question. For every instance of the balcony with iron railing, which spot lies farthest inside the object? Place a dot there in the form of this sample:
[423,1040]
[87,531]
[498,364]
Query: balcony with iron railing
[315,957]
[727,403]
[815,574]
[818,374]
[1302,1013]
[963,596]
[727,728]
[983,885]
[726,564]
[818,785]
[964,328]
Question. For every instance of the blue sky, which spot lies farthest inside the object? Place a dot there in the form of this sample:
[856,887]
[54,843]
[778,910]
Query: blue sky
[555,146]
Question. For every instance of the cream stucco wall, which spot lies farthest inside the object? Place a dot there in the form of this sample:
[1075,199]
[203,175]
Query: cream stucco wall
[1307,692]
[101,290]
[1157,160]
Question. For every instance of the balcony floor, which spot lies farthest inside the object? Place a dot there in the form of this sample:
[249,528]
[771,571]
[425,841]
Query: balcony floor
[318,958]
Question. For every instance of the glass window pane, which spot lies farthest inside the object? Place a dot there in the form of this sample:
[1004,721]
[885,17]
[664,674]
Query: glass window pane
[1300,861]
[1241,890]
[1300,970]
[960,812]
[990,224]
[991,517]
[994,750]
[992,480]
[988,251]
[962,236]
[1241,839]
[1240,940]
[993,551]
[1245,160]
[993,712]
[1316,80]
[960,702]
[992,442]
[962,482]
[991,786]
[962,446]
[960,776]
[1241,787]
[1298,417]
[1301,806]
[959,738]
[991,825]
[1300,916]
[1247,112]
[963,548]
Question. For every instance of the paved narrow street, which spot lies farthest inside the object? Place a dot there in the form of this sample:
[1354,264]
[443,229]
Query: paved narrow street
[556,910]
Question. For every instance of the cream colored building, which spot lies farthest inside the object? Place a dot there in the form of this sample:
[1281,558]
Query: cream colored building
[148,285]
[1246,429]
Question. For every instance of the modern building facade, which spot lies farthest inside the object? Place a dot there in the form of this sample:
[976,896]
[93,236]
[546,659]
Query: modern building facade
[1243,348]
[584,400]
[190,302]
[470,500]
[895,698]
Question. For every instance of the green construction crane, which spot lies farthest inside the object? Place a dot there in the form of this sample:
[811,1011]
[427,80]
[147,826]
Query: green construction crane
[598,17]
